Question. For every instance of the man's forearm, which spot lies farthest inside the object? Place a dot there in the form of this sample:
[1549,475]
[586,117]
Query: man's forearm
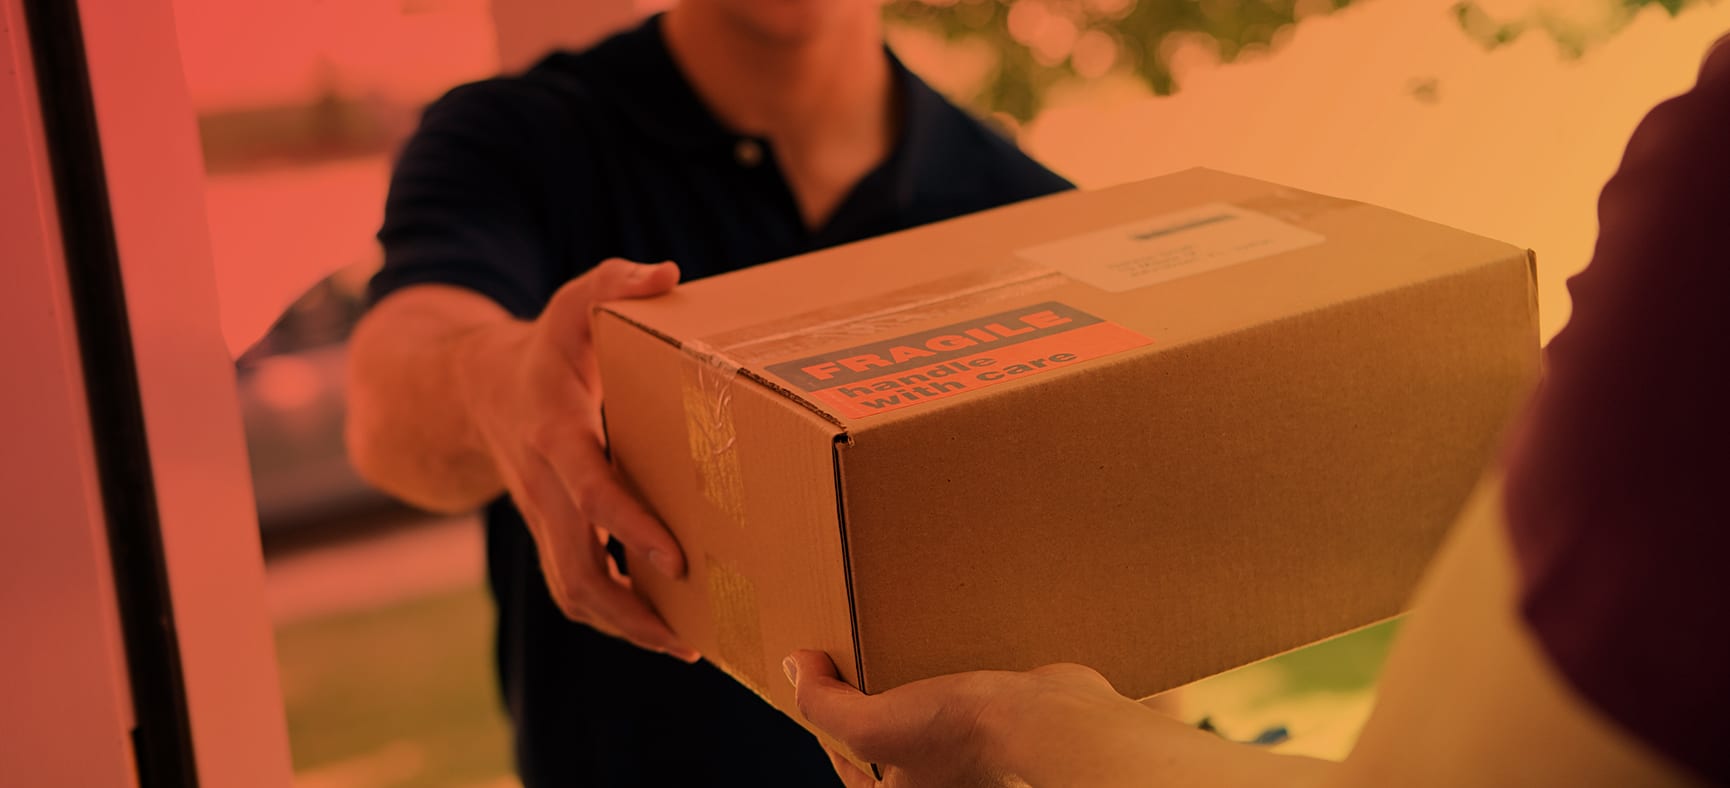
[410,428]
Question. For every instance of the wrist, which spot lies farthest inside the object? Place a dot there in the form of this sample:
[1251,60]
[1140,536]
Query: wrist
[482,360]
[1044,739]
[1095,744]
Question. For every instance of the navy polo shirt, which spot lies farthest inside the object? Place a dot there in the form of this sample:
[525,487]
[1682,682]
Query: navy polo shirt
[513,186]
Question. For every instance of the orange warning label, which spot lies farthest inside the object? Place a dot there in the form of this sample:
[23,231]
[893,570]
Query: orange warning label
[944,362]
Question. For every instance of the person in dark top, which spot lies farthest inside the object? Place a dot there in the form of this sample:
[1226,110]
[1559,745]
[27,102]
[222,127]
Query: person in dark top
[720,135]
[1576,629]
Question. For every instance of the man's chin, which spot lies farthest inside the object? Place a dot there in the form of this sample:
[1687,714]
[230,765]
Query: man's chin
[790,22]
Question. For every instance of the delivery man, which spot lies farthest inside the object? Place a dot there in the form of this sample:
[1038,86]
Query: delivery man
[722,134]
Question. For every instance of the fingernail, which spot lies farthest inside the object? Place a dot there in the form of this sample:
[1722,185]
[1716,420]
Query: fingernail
[791,668]
[665,562]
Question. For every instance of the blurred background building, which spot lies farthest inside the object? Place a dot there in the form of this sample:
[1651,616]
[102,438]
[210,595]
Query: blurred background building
[1502,117]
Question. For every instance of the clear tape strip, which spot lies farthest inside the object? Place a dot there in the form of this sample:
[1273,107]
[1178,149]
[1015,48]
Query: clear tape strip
[1294,205]
[707,390]
[887,313]
[738,629]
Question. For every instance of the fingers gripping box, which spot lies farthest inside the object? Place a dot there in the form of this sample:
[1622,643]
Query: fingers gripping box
[1163,429]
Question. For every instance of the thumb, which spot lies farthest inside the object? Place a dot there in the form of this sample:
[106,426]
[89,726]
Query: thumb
[567,317]
[830,703]
[617,278]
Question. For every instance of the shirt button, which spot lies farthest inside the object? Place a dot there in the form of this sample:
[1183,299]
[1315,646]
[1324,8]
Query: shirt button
[749,153]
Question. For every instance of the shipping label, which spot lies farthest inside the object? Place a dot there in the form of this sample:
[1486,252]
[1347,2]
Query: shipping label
[891,374]
[1171,246]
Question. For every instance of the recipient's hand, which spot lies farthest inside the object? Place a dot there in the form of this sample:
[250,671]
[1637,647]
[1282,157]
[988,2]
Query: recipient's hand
[534,395]
[1060,725]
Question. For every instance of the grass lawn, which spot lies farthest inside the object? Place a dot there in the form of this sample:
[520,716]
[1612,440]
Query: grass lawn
[1321,695]
[399,697]
[402,696]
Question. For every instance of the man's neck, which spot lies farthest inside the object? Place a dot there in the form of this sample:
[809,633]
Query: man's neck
[832,88]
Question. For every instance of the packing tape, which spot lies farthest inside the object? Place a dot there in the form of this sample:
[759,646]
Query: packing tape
[1294,206]
[707,382]
[888,313]
[738,631]
[706,386]
[812,331]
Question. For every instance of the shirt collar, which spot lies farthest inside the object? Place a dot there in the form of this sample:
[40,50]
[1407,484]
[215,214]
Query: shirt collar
[637,72]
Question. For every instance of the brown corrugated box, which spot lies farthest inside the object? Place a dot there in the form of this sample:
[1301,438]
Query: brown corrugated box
[1163,429]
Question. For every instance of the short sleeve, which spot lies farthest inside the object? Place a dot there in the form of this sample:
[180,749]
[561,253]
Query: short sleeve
[470,201]
[1618,482]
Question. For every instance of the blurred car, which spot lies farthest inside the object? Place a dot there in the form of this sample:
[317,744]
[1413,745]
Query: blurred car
[291,387]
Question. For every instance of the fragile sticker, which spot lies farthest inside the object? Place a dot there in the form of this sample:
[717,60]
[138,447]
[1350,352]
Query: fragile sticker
[891,374]
[1170,246]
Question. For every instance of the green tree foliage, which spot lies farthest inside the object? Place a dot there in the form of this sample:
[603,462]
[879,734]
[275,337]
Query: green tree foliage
[1573,34]
[1039,43]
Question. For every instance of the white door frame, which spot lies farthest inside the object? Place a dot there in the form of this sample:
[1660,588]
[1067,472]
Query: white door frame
[130,554]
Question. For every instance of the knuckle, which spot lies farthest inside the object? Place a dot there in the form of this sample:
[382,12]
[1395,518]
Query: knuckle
[1074,672]
[1061,668]
[582,607]
[571,292]
[612,270]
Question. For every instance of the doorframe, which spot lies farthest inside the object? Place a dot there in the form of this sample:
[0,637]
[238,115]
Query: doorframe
[123,181]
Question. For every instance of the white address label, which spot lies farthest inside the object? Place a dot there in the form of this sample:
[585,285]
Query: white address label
[1170,246]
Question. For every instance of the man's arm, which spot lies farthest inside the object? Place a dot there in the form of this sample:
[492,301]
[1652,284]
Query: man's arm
[467,247]
[453,401]
[472,376]
[410,431]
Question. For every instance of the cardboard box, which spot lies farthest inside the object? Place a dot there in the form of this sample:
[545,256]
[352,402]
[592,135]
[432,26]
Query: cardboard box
[1164,429]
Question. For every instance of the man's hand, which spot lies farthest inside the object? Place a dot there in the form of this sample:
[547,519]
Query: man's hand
[533,393]
[1060,725]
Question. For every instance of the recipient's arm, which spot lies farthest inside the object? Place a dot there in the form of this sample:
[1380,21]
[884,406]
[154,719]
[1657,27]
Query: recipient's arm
[1467,698]
[1614,497]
